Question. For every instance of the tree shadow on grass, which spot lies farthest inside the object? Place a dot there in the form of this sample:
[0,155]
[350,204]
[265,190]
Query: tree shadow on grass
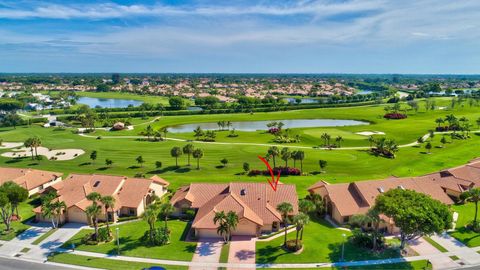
[33,164]
[15,160]
[103,168]
[183,170]
[163,170]
[219,166]
[85,164]
[270,254]
[465,230]
[134,167]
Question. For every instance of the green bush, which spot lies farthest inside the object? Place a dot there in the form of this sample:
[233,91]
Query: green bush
[292,245]
[104,235]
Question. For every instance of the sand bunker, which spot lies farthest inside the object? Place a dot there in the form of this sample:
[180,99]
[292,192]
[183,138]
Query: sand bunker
[58,154]
[370,133]
[7,145]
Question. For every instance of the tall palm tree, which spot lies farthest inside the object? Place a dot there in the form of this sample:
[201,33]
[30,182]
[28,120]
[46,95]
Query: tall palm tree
[176,152]
[48,211]
[198,154]
[150,216]
[301,156]
[339,140]
[326,138]
[293,155]
[222,229]
[232,221]
[29,144]
[164,130]
[109,203]
[273,152]
[472,195]
[439,121]
[188,150]
[59,207]
[285,155]
[166,209]
[92,212]
[317,200]
[36,142]
[300,221]
[285,208]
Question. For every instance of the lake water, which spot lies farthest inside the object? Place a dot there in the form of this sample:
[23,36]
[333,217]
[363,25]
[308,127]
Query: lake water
[364,92]
[262,125]
[108,102]
[303,100]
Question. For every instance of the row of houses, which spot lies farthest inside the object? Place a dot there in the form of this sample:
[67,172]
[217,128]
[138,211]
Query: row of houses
[254,203]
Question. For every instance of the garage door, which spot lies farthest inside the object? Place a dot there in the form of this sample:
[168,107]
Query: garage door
[245,227]
[207,233]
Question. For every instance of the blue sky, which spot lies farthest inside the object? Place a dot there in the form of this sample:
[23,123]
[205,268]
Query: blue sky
[302,36]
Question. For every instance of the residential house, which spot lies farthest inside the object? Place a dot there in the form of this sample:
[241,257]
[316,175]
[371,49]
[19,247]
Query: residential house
[32,180]
[132,195]
[254,203]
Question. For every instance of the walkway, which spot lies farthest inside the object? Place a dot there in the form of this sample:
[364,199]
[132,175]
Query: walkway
[423,248]
[466,254]
[208,251]
[242,251]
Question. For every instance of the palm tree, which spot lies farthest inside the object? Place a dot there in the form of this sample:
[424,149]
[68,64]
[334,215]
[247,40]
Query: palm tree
[92,212]
[317,201]
[29,144]
[339,140]
[306,206]
[232,221]
[166,209]
[164,130]
[176,152]
[58,208]
[150,216]
[273,152]
[472,195]
[301,156]
[197,154]
[198,133]
[326,137]
[48,211]
[109,203]
[188,150]
[285,208]
[36,142]
[371,140]
[439,121]
[300,221]
[285,155]
[222,228]
[293,155]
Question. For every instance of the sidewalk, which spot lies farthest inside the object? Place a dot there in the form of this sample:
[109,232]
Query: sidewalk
[466,254]
[423,248]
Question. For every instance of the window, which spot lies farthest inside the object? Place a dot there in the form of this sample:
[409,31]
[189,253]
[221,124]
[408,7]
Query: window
[346,219]
[131,211]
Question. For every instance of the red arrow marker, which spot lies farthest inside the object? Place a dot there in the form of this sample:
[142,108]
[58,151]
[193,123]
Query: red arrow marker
[273,183]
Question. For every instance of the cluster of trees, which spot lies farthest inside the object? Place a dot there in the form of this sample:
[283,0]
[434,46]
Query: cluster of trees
[188,150]
[155,134]
[383,147]
[222,125]
[285,154]
[393,112]
[53,208]
[327,138]
[154,212]
[33,143]
[87,117]
[204,135]
[455,124]
[11,195]
[94,211]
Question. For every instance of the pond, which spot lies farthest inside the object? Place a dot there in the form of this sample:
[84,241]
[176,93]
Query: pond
[262,125]
[108,102]
[302,100]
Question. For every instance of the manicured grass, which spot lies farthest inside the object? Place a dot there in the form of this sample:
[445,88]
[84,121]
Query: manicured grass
[454,257]
[322,243]
[105,263]
[44,236]
[25,250]
[435,244]
[131,245]
[465,216]
[420,265]
[343,165]
[224,253]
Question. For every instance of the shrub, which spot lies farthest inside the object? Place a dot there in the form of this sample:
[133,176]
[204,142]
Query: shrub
[292,245]
[282,170]
[189,214]
[395,116]
[104,235]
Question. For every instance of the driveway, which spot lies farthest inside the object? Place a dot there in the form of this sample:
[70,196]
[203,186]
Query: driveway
[242,250]
[208,251]
[422,247]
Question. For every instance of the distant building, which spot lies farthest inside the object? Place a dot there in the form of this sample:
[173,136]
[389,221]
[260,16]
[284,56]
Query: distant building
[33,180]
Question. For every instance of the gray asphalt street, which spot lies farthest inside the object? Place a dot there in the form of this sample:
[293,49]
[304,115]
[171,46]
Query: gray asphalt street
[13,264]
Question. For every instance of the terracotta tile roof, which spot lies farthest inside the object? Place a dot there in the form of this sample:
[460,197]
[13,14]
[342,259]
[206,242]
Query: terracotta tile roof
[128,192]
[160,180]
[28,178]
[253,201]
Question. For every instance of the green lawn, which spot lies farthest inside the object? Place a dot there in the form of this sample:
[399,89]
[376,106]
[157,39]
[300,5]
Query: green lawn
[435,244]
[105,263]
[322,243]
[130,244]
[343,165]
[465,216]
[416,265]
[44,236]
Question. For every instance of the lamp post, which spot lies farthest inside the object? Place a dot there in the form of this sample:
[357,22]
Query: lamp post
[343,247]
[118,240]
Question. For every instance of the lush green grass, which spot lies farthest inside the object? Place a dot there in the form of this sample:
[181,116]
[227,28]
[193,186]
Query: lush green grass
[131,245]
[105,263]
[343,165]
[465,216]
[435,244]
[420,265]
[224,253]
[322,243]
[44,236]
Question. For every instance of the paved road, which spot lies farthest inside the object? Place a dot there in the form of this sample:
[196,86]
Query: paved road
[14,264]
